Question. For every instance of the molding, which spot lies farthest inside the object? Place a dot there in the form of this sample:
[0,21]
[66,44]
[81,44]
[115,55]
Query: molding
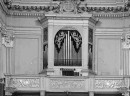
[22,8]
[109,32]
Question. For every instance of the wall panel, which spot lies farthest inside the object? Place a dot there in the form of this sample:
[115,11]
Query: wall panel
[108,55]
[27,55]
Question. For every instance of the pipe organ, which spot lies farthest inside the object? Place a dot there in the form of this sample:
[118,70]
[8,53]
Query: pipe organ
[68,48]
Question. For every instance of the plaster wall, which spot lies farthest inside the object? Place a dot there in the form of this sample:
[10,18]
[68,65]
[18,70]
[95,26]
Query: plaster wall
[26,54]
[108,48]
[22,21]
[108,55]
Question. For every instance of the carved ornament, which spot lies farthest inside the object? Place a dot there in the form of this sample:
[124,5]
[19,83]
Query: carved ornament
[108,84]
[61,35]
[66,6]
[67,84]
[24,83]
[126,40]
[7,38]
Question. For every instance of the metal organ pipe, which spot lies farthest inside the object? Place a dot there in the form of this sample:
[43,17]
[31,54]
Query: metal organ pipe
[66,49]
[68,46]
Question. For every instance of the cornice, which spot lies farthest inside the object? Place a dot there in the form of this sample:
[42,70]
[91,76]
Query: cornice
[23,9]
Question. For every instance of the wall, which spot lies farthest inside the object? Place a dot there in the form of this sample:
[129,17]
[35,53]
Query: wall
[108,48]
[26,55]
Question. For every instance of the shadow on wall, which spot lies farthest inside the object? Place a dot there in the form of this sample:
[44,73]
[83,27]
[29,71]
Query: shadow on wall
[26,94]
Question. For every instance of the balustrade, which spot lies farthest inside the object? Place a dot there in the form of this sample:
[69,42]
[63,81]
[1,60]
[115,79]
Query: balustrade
[71,83]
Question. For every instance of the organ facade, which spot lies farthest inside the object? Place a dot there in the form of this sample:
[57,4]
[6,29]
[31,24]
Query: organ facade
[64,47]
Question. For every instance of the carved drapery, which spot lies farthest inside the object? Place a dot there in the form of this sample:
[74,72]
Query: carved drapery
[77,39]
[66,84]
[59,39]
[61,35]
[108,84]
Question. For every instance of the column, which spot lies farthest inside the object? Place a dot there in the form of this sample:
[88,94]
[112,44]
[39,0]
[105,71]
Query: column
[129,62]
[91,93]
[126,94]
[42,93]
[8,94]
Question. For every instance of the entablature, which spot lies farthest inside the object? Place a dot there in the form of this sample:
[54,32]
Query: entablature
[102,8]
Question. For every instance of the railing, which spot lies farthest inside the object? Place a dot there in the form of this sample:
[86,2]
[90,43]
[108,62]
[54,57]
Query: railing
[68,62]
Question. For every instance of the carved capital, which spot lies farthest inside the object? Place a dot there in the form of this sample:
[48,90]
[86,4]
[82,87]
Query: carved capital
[7,38]
[125,40]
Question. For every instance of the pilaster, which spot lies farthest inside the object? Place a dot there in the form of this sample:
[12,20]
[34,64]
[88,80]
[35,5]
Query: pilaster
[7,40]
[50,70]
[85,51]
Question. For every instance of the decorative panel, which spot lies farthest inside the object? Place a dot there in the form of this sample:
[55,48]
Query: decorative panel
[25,82]
[108,84]
[67,84]
[108,56]
[27,55]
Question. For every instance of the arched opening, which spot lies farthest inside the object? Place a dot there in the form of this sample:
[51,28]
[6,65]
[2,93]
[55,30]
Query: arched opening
[68,48]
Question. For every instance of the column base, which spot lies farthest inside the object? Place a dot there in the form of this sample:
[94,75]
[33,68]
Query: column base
[49,71]
[91,93]
[42,93]
[87,72]
[8,94]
